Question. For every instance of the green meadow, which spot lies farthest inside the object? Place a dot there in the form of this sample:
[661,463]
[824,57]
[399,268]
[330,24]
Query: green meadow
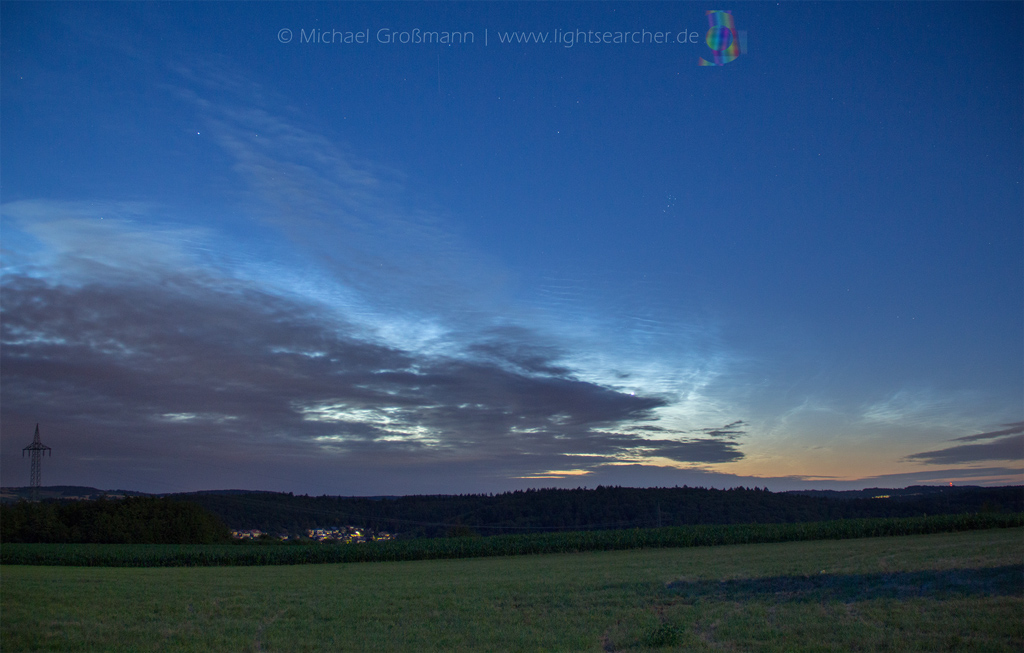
[939,592]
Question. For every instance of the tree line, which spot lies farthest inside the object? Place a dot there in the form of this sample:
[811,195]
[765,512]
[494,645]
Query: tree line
[132,520]
[205,517]
[524,511]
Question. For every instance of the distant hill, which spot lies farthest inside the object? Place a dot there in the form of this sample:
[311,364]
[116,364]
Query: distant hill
[555,509]
[72,492]
[601,508]
[912,492]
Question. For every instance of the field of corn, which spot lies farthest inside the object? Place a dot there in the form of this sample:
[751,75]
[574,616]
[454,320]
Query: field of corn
[168,555]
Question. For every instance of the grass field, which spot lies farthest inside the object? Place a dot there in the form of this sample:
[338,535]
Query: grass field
[956,591]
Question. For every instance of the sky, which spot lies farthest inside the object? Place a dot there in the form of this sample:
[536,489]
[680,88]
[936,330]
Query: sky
[446,248]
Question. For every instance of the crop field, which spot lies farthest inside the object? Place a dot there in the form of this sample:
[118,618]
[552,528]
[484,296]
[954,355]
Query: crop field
[947,591]
[203,555]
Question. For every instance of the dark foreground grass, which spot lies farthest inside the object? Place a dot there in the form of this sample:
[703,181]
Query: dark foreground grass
[174,555]
[955,591]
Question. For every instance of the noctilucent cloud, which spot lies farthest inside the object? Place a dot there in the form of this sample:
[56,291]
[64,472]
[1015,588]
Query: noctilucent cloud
[399,248]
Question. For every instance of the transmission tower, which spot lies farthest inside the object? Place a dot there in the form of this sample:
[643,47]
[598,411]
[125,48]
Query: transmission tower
[36,451]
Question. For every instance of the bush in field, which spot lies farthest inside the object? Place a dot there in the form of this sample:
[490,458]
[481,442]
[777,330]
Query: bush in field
[133,520]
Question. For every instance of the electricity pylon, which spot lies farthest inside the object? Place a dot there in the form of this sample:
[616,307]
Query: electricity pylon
[36,451]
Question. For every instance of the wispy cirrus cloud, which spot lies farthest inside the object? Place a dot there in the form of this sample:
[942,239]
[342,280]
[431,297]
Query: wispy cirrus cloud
[410,266]
[1003,444]
[1016,428]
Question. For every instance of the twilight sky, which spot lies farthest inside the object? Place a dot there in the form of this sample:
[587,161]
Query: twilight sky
[238,256]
